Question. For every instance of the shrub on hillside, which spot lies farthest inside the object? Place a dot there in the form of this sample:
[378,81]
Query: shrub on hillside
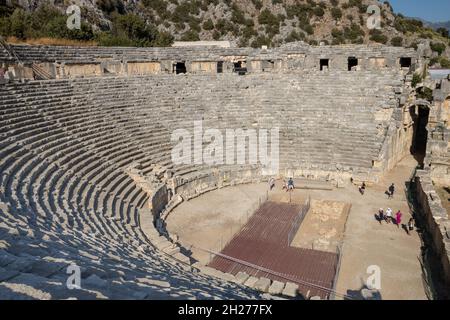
[377,36]
[397,41]
[110,6]
[353,32]
[261,41]
[445,63]
[190,35]
[208,25]
[318,11]
[417,78]
[438,47]
[336,13]
[295,36]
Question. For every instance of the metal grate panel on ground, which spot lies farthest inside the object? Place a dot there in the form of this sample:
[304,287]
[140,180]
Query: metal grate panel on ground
[262,242]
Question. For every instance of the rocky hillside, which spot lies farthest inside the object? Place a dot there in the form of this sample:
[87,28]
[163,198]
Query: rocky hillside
[245,22]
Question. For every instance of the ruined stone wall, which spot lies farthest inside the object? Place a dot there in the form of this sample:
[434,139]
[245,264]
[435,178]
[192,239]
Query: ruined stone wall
[78,70]
[438,145]
[296,57]
[197,67]
[143,68]
[437,221]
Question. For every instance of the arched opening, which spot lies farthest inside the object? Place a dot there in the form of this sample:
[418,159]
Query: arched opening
[420,115]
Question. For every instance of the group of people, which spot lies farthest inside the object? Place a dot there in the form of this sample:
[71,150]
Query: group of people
[397,220]
[388,215]
[287,185]
[389,192]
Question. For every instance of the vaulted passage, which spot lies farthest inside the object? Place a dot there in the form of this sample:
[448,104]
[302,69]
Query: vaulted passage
[420,135]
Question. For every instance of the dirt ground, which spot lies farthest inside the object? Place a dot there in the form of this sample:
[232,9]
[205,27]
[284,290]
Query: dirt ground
[323,226]
[210,221]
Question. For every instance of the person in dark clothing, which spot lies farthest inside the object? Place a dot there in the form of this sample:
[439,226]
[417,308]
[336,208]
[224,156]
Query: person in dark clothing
[381,215]
[391,191]
[362,189]
[411,224]
[290,184]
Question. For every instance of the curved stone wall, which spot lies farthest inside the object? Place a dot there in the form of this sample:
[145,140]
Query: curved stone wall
[82,161]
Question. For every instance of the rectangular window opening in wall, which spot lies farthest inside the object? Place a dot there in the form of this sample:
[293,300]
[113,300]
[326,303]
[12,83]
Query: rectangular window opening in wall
[324,64]
[179,67]
[268,65]
[405,62]
[220,67]
[352,63]
[239,68]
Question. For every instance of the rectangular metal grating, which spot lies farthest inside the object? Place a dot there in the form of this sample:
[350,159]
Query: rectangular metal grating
[263,242]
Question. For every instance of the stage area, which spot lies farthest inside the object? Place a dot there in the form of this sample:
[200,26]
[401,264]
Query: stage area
[213,219]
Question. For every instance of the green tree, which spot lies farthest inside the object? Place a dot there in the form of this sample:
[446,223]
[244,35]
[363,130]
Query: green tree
[336,13]
[438,47]
[19,22]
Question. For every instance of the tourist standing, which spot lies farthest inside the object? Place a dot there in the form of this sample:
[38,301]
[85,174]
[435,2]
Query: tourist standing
[388,215]
[271,183]
[398,218]
[362,189]
[411,224]
[381,215]
[391,191]
[290,184]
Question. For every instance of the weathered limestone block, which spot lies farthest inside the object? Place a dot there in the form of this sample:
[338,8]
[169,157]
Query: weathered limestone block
[251,282]
[290,290]
[241,277]
[276,287]
[181,257]
[153,282]
[262,284]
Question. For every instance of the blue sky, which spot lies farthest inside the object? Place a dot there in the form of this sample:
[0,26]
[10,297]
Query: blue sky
[431,10]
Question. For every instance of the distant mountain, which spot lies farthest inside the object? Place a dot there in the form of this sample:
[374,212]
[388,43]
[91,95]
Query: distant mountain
[435,25]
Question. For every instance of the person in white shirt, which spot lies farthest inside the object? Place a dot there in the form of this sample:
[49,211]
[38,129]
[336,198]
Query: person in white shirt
[388,215]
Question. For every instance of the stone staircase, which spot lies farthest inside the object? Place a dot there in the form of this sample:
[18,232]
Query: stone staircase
[66,197]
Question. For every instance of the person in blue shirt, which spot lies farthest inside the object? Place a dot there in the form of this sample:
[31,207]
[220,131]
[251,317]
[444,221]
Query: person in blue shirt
[291,184]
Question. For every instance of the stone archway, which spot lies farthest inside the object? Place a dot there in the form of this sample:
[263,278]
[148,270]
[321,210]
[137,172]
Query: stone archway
[420,113]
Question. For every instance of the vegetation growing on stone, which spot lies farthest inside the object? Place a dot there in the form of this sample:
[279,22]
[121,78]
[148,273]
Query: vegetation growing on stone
[246,22]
